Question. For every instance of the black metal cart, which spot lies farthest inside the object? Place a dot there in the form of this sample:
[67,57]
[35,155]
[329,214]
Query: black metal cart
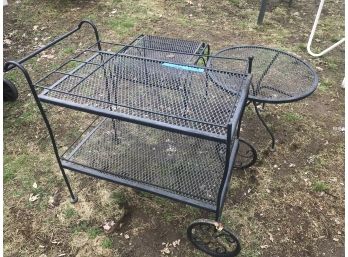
[165,126]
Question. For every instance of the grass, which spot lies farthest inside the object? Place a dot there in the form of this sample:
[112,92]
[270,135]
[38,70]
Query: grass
[234,2]
[8,175]
[70,66]
[68,50]
[121,25]
[320,186]
[250,253]
[119,197]
[70,212]
[14,165]
[106,243]
[325,86]
[82,226]
[13,76]
[292,117]
[26,116]
[94,232]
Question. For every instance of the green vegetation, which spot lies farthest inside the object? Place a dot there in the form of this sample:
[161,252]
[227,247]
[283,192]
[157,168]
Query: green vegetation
[12,76]
[68,50]
[8,175]
[119,197]
[82,226]
[122,25]
[12,165]
[324,86]
[234,2]
[107,243]
[69,66]
[320,186]
[291,116]
[94,232]
[70,212]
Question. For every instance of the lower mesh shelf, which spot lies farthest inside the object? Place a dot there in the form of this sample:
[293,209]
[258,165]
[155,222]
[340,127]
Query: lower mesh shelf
[185,168]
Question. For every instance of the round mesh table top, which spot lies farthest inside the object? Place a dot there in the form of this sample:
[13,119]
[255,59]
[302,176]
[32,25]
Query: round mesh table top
[278,77]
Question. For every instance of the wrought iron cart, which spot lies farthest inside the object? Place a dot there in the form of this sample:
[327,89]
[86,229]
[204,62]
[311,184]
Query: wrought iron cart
[165,126]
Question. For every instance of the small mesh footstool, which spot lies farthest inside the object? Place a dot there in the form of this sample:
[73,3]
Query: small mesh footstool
[168,49]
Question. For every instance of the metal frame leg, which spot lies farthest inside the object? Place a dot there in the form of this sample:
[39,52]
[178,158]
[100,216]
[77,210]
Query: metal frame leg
[250,156]
[74,198]
[265,125]
[262,12]
[12,64]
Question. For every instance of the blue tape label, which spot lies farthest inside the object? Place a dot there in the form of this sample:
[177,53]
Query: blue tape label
[182,67]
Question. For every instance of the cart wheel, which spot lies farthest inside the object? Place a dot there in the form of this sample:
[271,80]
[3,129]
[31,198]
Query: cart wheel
[246,156]
[10,91]
[212,238]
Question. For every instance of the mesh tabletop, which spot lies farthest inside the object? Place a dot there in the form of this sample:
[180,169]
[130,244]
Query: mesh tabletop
[156,47]
[177,163]
[154,90]
[277,76]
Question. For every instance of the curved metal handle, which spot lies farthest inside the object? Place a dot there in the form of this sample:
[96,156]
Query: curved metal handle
[94,28]
[12,64]
[313,32]
[26,58]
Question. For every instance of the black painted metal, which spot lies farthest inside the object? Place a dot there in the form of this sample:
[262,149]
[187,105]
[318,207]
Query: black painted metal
[262,11]
[42,111]
[136,120]
[140,186]
[26,58]
[204,112]
[279,77]
[13,64]
[156,82]
[246,156]
[263,5]
[213,238]
[231,155]
[208,55]
[191,50]
[265,125]
[10,92]
[250,59]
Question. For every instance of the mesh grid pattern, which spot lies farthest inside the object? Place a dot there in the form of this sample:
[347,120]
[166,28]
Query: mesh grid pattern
[148,89]
[167,44]
[173,162]
[277,76]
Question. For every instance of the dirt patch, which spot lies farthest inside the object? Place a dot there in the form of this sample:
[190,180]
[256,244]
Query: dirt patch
[83,245]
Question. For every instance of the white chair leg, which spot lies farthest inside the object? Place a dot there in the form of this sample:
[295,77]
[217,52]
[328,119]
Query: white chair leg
[313,32]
